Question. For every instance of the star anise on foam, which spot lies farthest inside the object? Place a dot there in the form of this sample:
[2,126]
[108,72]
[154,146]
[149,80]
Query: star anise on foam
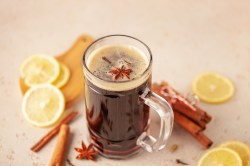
[86,152]
[121,72]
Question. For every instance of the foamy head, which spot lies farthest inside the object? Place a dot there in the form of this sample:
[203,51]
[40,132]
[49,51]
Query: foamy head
[102,61]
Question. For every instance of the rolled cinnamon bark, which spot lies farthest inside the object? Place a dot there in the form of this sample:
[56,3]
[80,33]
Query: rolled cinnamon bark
[197,118]
[193,129]
[203,139]
[186,123]
[207,118]
[58,155]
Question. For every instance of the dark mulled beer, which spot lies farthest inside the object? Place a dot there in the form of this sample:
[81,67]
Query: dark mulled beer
[115,115]
[117,70]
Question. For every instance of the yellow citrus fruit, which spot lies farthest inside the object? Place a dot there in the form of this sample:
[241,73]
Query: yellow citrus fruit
[242,149]
[43,105]
[220,157]
[212,87]
[40,69]
[63,77]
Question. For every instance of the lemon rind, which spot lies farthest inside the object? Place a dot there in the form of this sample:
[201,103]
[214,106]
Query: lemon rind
[65,81]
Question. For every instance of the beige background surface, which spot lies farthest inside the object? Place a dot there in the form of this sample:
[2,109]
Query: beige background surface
[186,38]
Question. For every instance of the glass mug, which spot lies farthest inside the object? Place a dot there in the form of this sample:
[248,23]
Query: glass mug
[117,113]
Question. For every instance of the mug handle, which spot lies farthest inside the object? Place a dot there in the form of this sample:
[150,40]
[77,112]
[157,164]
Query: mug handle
[164,110]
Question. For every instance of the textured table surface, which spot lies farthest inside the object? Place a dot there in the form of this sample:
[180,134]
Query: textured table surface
[186,38]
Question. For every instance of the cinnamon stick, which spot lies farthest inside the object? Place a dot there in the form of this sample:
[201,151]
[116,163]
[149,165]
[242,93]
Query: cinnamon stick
[193,129]
[197,118]
[44,140]
[203,139]
[186,123]
[207,118]
[58,154]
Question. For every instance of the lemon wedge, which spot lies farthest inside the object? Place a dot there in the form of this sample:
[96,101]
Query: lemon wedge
[220,157]
[43,105]
[40,69]
[242,149]
[212,87]
[63,77]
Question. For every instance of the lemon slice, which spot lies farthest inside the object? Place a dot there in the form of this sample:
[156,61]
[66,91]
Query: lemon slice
[43,105]
[39,69]
[63,77]
[212,87]
[220,157]
[242,149]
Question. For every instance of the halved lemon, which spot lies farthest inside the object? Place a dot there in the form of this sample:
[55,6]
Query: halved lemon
[212,87]
[242,149]
[43,105]
[63,77]
[40,69]
[220,157]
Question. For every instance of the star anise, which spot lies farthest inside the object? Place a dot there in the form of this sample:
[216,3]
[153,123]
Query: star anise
[120,72]
[86,152]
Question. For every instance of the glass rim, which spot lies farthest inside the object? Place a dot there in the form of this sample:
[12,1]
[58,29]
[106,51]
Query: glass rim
[117,35]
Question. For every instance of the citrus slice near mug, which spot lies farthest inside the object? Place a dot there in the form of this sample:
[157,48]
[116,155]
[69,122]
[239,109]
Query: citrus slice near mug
[43,105]
[39,69]
[220,156]
[71,86]
[212,87]
[241,148]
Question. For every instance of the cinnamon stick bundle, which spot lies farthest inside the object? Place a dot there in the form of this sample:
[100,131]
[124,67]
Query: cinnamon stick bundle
[195,130]
[193,119]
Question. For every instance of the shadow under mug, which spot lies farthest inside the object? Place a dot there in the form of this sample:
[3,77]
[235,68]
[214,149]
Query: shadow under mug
[118,120]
